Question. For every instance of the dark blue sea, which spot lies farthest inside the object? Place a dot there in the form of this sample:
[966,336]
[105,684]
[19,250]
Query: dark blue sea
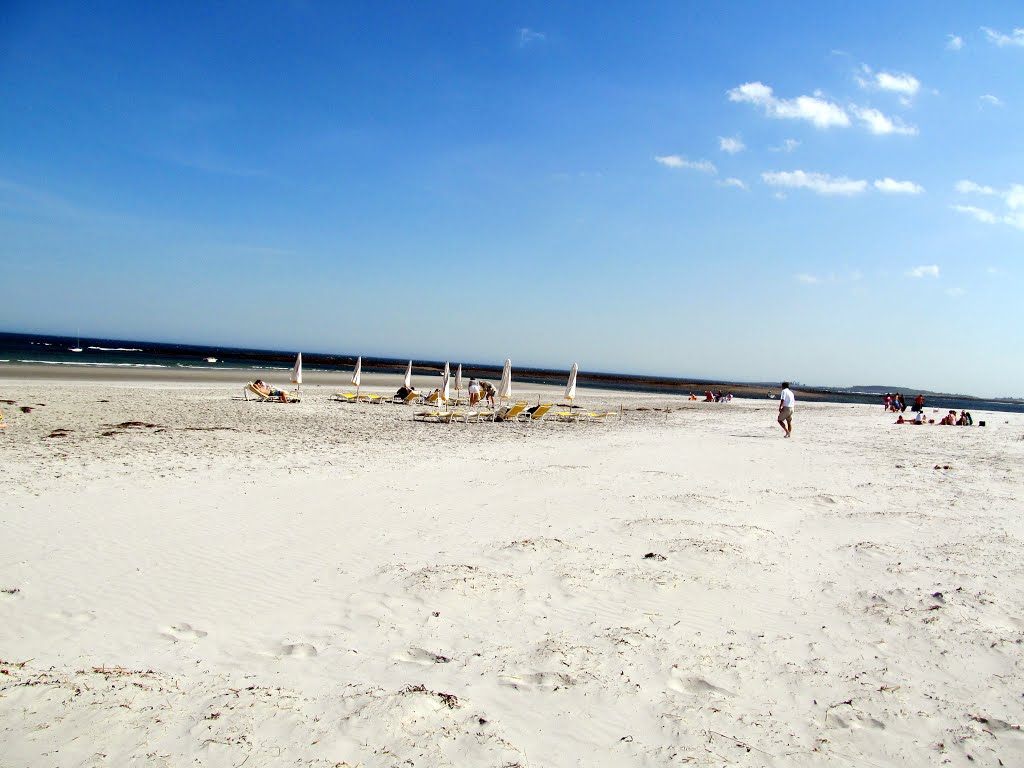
[25,349]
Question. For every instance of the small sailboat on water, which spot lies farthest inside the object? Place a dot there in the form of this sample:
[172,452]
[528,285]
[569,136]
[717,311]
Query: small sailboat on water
[78,342]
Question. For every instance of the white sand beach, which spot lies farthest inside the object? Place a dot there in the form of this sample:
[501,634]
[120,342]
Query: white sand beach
[230,583]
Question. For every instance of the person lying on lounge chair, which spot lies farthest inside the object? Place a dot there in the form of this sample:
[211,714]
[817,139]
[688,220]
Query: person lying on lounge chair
[268,391]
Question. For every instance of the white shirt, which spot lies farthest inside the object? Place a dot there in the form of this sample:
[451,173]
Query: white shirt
[787,398]
[474,387]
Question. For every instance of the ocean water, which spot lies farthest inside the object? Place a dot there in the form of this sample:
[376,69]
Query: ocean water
[118,353]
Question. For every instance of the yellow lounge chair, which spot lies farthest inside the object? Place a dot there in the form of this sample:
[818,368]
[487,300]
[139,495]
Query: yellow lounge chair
[600,416]
[538,412]
[344,397]
[511,412]
[472,417]
[439,416]
[569,415]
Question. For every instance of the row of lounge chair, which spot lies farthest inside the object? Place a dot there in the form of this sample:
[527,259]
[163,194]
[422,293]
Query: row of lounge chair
[514,412]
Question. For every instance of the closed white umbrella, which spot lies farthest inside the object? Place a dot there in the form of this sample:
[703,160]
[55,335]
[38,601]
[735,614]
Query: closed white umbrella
[407,381]
[570,387]
[458,379]
[357,374]
[505,385]
[445,383]
[297,371]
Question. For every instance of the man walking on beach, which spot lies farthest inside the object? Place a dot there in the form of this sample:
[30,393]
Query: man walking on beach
[786,403]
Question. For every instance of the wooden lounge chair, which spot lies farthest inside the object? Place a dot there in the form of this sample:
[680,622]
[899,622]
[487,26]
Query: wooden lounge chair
[538,412]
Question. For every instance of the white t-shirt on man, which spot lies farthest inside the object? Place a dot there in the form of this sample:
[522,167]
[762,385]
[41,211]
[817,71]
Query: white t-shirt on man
[787,398]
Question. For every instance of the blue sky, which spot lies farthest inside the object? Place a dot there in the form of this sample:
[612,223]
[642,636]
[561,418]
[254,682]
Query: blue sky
[833,195]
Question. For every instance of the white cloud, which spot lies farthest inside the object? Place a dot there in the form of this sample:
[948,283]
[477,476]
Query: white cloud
[779,195]
[806,279]
[820,183]
[967,187]
[814,109]
[891,186]
[1002,40]
[901,83]
[979,214]
[898,82]
[881,125]
[733,182]
[992,101]
[1014,197]
[732,145]
[677,161]
[955,292]
[788,144]
[927,270]
[955,42]
[527,36]
[1015,219]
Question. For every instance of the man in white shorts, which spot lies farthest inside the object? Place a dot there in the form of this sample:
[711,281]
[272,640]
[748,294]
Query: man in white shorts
[786,403]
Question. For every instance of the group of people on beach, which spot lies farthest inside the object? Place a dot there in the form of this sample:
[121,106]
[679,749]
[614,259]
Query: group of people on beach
[478,391]
[950,419]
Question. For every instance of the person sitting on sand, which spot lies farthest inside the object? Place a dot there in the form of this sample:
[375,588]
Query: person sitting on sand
[474,391]
[962,421]
[919,418]
[268,391]
[949,420]
[968,419]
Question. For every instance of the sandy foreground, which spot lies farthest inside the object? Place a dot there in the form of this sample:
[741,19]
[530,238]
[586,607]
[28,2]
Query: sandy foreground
[326,584]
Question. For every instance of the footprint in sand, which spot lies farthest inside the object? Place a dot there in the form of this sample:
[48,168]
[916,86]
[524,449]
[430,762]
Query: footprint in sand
[297,650]
[421,656]
[75,617]
[183,633]
[552,680]
[697,686]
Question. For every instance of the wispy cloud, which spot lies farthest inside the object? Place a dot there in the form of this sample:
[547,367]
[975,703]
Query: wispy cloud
[968,187]
[927,270]
[990,100]
[954,292]
[529,36]
[807,279]
[954,42]
[25,198]
[1014,197]
[1015,38]
[819,183]
[881,125]
[978,214]
[814,109]
[787,145]
[731,144]
[893,187]
[733,182]
[678,161]
[903,84]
